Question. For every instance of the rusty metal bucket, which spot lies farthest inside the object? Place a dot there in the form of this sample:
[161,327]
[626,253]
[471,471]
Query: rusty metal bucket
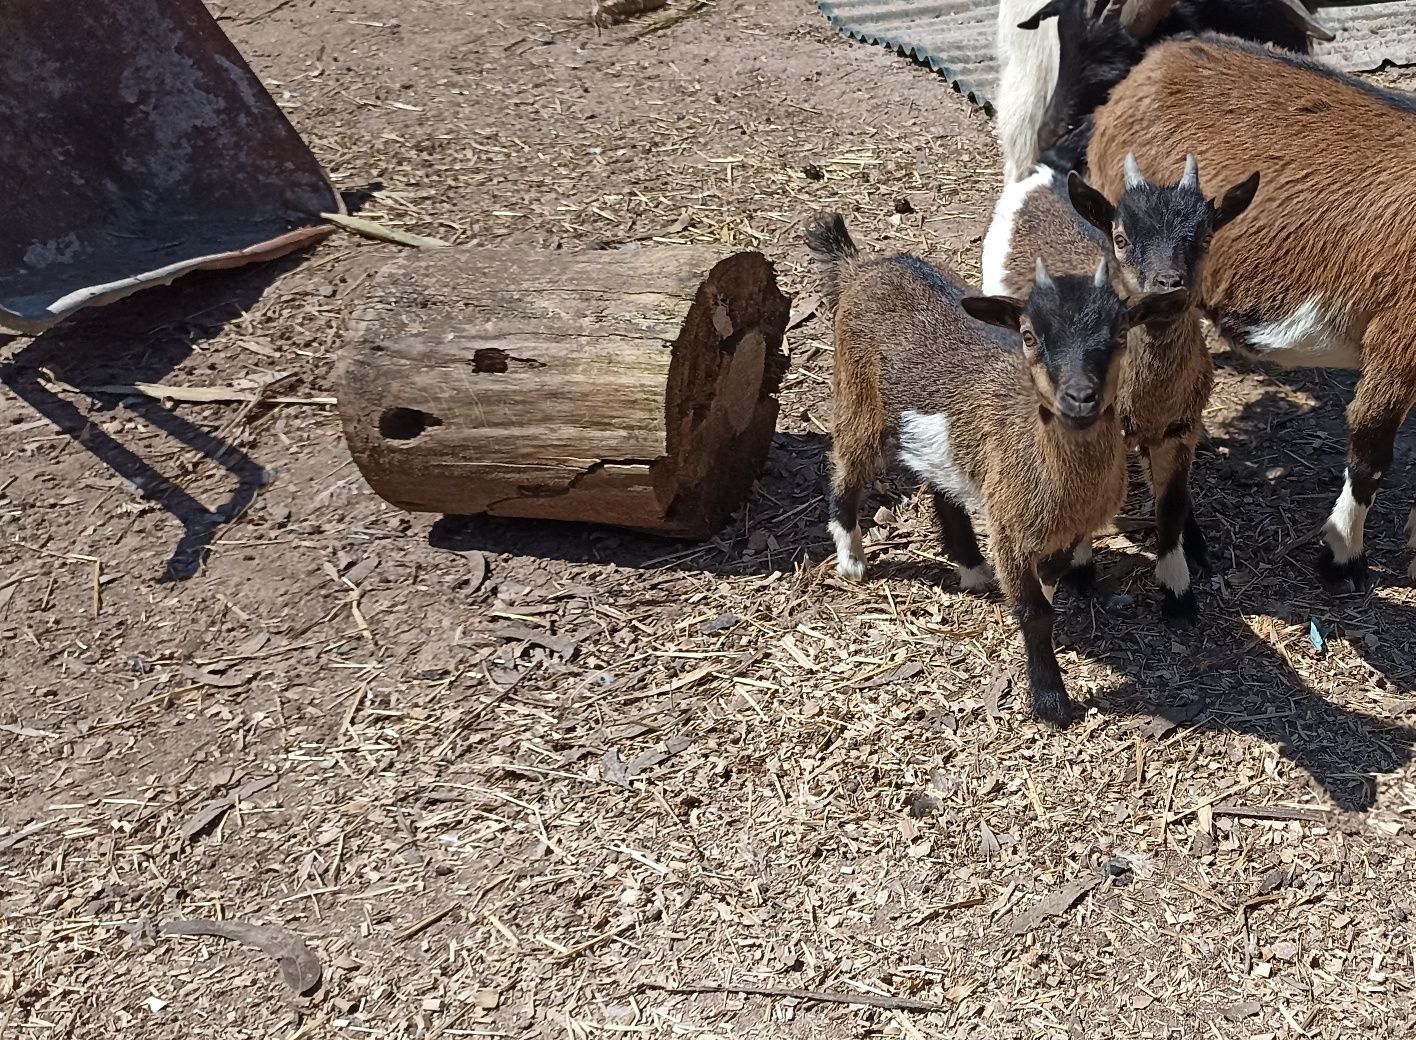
[136,145]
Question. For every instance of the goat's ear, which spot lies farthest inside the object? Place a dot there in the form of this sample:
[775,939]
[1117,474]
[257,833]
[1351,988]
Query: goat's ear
[1166,306]
[1090,204]
[1003,311]
[1051,9]
[1236,200]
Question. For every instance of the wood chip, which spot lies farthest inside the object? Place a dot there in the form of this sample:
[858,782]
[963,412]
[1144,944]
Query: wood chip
[373,229]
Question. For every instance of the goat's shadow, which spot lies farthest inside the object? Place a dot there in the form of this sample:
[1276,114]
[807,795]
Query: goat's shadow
[143,339]
[1230,679]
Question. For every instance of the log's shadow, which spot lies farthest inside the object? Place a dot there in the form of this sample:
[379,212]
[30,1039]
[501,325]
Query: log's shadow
[781,517]
[144,338]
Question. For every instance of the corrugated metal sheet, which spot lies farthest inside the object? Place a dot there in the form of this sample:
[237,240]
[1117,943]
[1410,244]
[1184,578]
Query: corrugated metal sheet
[955,37]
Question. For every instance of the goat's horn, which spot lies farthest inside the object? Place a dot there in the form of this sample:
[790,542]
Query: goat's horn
[1140,17]
[1299,15]
[1040,274]
[1191,177]
[1134,177]
[1100,279]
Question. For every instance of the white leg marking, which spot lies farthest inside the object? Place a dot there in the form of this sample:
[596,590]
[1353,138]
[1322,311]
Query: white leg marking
[1082,554]
[1173,572]
[971,579]
[850,554]
[1026,80]
[998,242]
[1344,528]
[1050,591]
[1411,529]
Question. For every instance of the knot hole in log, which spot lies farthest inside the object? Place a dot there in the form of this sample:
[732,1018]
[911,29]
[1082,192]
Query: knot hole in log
[406,424]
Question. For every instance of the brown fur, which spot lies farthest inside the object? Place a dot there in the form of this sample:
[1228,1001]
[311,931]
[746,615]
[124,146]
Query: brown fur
[1337,212]
[1335,218]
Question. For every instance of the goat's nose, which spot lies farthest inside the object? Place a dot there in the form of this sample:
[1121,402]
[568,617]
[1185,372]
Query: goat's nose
[1169,281]
[1079,399]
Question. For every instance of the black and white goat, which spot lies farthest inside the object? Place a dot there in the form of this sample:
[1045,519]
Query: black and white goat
[1061,58]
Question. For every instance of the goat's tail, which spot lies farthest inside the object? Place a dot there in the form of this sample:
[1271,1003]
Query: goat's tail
[831,246]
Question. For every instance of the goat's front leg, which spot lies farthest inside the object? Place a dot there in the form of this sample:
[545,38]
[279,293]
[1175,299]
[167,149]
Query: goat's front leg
[956,533]
[1032,606]
[1170,463]
[1383,398]
[1080,575]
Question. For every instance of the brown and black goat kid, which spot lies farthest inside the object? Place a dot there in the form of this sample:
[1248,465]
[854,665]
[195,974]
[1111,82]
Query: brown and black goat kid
[1003,407]
[1319,270]
[1158,237]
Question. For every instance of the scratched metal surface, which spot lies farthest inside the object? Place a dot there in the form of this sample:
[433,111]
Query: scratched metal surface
[955,37]
[138,146]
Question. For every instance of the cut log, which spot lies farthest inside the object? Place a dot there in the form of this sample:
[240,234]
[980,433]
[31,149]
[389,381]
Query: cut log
[632,388]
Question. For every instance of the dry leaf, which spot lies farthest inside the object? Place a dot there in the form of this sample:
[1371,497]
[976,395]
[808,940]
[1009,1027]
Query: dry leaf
[1054,904]
[997,687]
[988,844]
[1242,1010]
[562,645]
[298,965]
[614,769]
[220,682]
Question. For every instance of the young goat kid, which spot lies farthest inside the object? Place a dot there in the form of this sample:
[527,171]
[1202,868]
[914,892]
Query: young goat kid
[1016,421]
[1061,58]
[1318,272]
[1158,237]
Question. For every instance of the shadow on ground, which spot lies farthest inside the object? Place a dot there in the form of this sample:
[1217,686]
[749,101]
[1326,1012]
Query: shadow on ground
[1220,677]
[143,339]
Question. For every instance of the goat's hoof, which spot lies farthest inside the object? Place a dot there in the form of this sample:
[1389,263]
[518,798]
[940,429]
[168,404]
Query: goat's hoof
[1081,580]
[852,569]
[976,579]
[1053,707]
[1183,609]
[1338,577]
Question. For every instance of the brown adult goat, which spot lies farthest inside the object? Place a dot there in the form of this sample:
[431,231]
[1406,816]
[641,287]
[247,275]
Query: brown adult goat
[1318,272]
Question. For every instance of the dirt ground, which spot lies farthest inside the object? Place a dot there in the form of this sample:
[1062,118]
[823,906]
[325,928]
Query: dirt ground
[237,686]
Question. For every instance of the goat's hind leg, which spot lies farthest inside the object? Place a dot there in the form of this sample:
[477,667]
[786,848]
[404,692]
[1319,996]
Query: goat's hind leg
[956,534]
[1384,396]
[1080,573]
[844,524]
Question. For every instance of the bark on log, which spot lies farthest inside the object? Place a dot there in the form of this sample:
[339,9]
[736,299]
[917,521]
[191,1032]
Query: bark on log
[632,388]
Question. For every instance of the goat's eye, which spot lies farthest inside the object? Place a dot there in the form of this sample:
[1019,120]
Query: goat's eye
[1119,240]
[1029,339]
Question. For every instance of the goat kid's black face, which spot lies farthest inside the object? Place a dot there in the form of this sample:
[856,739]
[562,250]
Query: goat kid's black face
[1073,330]
[1160,234]
[1095,53]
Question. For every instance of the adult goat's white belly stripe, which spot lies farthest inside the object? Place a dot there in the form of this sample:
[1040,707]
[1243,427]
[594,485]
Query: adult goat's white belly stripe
[1312,336]
[926,449]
